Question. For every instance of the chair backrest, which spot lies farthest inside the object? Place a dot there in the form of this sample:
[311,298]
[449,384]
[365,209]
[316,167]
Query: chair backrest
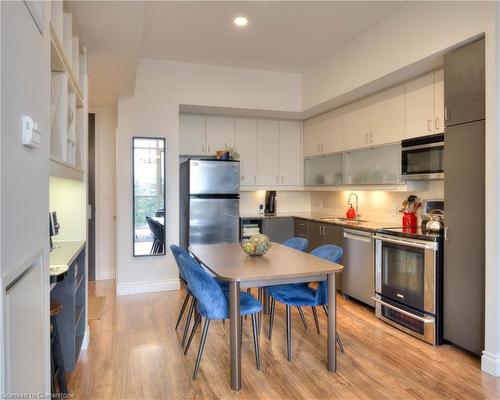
[156,229]
[297,243]
[177,251]
[204,288]
[331,253]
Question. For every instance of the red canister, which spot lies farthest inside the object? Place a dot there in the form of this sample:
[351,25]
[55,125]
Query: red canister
[409,219]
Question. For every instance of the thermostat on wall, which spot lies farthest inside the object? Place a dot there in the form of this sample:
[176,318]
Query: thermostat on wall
[31,133]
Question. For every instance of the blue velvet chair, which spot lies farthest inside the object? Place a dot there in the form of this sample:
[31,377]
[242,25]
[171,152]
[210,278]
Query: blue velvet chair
[300,295]
[213,304]
[177,251]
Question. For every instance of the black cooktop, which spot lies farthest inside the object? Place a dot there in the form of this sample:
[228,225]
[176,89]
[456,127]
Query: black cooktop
[413,232]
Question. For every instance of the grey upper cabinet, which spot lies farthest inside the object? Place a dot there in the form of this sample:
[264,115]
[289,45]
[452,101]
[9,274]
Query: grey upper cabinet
[464,97]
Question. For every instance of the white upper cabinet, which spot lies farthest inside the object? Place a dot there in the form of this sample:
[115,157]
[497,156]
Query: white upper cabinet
[324,133]
[220,134]
[290,153]
[192,135]
[439,101]
[387,112]
[269,150]
[246,143]
[357,124]
[419,106]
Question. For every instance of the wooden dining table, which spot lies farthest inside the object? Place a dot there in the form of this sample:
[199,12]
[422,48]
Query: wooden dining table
[280,265]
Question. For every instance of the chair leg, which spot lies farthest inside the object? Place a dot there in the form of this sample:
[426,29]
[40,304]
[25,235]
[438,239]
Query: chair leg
[183,308]
[339,341]
[302,317]
[315,315]
[58,358]
[289,332]
[188,321]
[260,296]
[256,340]
[193,331]
[202,346]
[271,317]
[241,330]
[325,309]
[249,290]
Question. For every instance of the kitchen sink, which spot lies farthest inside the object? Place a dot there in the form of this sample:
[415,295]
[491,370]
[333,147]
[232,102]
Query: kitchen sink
[341,219]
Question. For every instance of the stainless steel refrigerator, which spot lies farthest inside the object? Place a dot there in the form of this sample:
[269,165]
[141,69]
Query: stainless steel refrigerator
[210,202]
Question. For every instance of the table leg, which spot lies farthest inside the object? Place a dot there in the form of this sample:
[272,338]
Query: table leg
[332,323]
[235,349]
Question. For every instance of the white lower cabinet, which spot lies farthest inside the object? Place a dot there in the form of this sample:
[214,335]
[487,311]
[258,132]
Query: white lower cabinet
[246,143]
[269,150]
[290,150]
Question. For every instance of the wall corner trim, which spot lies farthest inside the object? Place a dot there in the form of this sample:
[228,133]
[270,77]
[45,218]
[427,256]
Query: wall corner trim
[490,363]
[147,287]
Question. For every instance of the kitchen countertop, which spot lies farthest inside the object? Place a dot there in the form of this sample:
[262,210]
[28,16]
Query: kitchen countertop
[369,226]
[64,253]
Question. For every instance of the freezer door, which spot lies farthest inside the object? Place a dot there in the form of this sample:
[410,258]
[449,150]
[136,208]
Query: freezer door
[213,221]
[214,177]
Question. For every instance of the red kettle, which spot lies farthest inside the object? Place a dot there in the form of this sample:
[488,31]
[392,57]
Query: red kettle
[351,212]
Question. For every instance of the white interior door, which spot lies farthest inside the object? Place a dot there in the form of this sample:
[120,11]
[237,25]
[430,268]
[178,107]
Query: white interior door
[246,142]
[220,134]
[419,106]
[192,135]
[290,153]
[269,149]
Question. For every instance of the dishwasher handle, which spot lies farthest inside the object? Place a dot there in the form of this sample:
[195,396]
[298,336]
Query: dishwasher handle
[361,238]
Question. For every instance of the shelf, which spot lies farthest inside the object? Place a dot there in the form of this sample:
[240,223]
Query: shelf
[59,62]
[63,169]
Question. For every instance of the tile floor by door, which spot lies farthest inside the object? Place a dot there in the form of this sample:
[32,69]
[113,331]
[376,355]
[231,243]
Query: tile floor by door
[135,354]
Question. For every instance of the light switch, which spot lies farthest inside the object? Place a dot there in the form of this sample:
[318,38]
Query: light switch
[31,133]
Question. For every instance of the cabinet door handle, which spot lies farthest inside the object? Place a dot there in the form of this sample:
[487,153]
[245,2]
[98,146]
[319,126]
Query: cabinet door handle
[366,138]
[254,179]
[208,148]
[242,177]
[446,114]
[282,179]
[322,148]
[277,179]
[319,148]
[429,125]
[371,137]
[203,148]
[436,123]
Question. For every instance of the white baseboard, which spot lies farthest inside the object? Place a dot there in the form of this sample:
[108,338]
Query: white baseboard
[105,273]
[490,363]
[147,287]
[86,339]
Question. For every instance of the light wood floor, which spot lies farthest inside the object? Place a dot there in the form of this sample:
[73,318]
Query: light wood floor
[135,353]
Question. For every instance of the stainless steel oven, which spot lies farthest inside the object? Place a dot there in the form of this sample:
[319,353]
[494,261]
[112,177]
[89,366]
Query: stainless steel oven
[407,284]
[422,158]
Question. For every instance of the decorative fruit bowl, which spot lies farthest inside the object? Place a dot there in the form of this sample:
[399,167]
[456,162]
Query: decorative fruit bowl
[257,245]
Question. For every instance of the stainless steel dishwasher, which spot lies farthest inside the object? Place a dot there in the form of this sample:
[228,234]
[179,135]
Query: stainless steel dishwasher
[358,274]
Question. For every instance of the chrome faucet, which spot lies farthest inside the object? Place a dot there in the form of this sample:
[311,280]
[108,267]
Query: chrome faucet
[357,203]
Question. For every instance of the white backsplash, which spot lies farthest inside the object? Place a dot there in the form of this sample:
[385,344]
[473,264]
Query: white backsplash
[374,205]
[286,201]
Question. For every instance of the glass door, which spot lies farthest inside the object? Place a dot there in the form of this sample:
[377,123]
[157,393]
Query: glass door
[403,274]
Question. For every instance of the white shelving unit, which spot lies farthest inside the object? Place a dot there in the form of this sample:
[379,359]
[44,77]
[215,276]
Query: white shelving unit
[69,88]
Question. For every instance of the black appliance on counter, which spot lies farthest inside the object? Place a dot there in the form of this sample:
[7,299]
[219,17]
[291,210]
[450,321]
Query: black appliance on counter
[270,203]
[408,281]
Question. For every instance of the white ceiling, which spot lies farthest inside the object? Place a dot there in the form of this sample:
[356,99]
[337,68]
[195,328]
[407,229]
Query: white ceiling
[280,36]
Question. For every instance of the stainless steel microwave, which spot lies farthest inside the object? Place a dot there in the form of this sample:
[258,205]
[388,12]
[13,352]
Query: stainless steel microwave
[423,158]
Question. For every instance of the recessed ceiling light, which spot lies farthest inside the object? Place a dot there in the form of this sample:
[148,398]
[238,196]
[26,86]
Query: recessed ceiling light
[240,21]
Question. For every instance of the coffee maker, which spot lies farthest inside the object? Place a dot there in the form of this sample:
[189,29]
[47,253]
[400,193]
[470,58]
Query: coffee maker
[270,202]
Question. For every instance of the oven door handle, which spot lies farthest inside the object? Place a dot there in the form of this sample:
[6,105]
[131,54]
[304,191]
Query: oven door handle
[406,243]
[422,319]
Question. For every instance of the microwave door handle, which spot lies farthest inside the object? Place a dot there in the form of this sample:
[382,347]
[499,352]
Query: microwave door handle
[405,243]
[422,319]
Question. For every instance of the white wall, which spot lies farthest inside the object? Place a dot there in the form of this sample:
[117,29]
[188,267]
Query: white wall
[67,198]
[24,195]
[154,111]
[287,201]
[105,192]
